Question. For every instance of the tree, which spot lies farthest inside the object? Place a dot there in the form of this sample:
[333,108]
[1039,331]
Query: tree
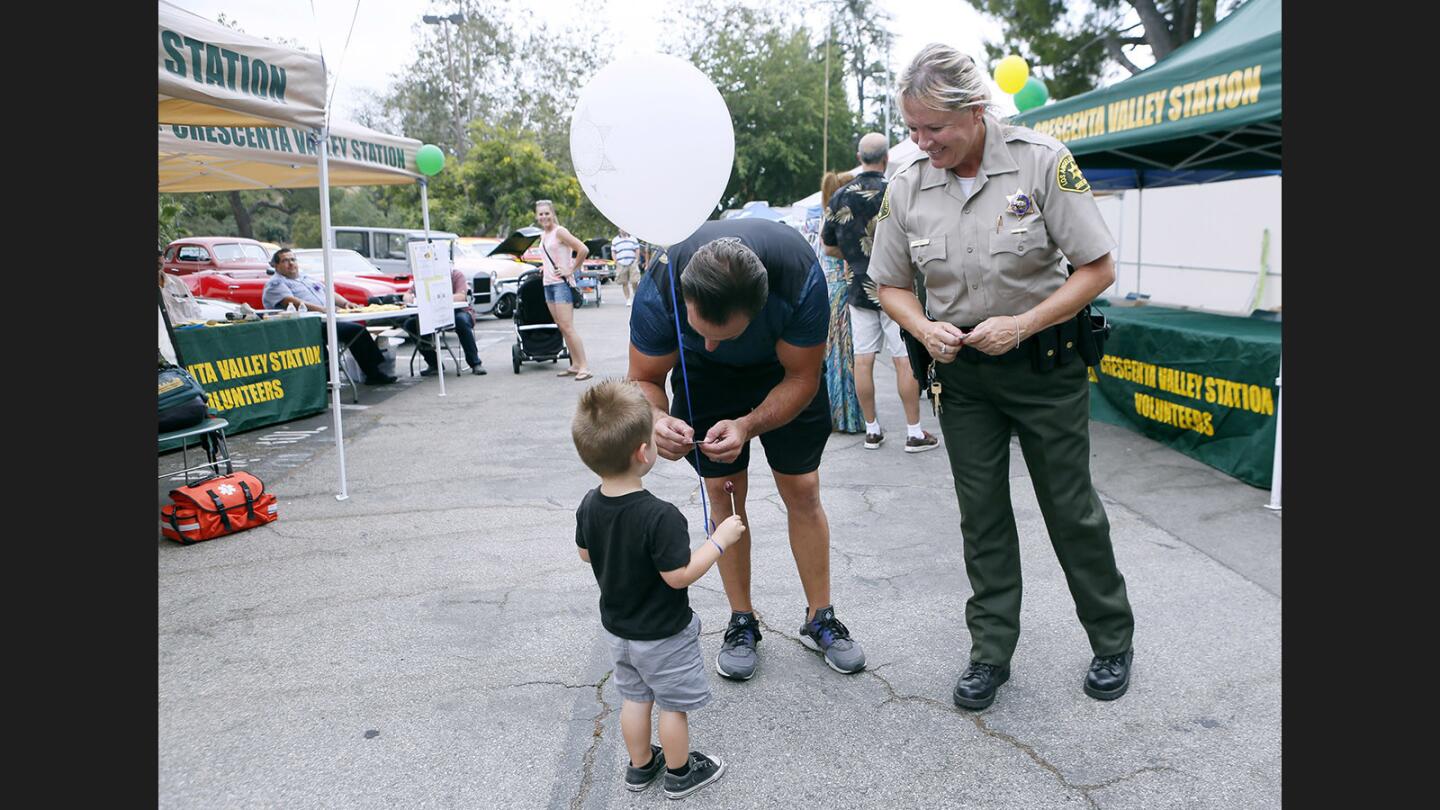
[1071,45]
[864,40]
[772,78]
[503,175]
[517,83]
[461,71]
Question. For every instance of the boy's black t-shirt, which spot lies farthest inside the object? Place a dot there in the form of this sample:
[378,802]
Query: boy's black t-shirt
[632,539]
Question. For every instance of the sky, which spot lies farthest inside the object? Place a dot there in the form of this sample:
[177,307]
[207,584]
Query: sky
[383,38]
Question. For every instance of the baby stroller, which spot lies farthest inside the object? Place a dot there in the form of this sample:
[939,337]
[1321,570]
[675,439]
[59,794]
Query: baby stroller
[537,338]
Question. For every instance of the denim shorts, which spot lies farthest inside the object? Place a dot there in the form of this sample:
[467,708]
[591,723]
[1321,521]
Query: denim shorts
[559,293]
[669,671]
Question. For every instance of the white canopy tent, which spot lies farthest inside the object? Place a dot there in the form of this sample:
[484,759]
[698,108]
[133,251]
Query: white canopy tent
[222,94]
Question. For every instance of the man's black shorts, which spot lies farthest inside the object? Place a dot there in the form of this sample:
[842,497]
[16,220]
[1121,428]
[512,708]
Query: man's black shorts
[730,392]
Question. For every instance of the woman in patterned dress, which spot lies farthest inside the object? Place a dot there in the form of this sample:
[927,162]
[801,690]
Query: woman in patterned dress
[845,412]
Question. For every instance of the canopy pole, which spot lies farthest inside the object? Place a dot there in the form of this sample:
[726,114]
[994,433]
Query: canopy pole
[1120,248]
[1139,236]
[330,336]
[425,216]
[1274,504]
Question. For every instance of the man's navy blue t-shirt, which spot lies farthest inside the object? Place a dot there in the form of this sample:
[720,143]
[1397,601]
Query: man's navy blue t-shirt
[796,311]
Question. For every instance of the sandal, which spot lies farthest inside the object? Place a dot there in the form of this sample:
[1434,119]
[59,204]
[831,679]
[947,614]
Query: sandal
[566,373]
[584,375]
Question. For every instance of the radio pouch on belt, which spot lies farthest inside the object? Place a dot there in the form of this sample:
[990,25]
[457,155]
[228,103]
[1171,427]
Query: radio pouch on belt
[1094,329]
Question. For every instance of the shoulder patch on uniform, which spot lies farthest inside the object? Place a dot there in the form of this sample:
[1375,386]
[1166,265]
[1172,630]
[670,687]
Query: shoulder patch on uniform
[1069,178]
[884,206]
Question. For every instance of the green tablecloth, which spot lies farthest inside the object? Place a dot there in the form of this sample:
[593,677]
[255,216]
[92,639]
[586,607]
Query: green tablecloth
[257,373]
[1203,384]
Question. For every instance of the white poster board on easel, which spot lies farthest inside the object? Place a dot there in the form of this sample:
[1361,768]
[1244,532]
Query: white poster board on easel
[430,268]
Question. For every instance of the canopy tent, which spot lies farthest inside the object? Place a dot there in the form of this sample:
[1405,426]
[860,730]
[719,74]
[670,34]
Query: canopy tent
[211,75]
[221,158]
[1208,112]
[247,84]
[1211,111]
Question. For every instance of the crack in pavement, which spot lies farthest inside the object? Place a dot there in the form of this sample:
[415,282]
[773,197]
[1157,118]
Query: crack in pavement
[554,683]
[869,504]
[1118,779]
[589,766]
[1034,755]
[984,728]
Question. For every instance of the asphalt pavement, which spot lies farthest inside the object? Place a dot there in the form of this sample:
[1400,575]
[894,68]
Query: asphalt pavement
[433,640]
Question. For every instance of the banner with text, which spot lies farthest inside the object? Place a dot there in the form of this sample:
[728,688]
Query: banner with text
[1203,384]
[257,374]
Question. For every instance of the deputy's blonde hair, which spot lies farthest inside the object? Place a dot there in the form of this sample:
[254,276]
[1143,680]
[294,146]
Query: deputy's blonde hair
[612,419]
[943,78]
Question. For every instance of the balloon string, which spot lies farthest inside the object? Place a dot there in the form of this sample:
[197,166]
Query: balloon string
[689,402]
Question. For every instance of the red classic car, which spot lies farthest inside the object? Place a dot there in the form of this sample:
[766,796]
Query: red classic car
[349,266]
[235,269]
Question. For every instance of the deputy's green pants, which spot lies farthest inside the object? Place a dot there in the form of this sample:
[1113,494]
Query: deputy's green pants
[1051,414]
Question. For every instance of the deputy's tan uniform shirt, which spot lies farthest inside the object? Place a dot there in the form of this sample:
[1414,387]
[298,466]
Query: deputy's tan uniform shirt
[979,257]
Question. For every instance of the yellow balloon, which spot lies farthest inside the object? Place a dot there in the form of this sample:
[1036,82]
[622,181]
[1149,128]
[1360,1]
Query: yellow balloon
[1011,74]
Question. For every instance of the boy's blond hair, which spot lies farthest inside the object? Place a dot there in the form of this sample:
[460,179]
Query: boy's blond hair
[611,420]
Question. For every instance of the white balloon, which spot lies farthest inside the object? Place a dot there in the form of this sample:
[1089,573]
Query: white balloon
[652,144]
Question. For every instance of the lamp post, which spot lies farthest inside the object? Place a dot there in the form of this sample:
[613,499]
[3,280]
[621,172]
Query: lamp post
[454,19]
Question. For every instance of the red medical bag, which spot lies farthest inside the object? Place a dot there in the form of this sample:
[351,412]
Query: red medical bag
[215,507]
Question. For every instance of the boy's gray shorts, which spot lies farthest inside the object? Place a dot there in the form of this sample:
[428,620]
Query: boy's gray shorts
[669,671]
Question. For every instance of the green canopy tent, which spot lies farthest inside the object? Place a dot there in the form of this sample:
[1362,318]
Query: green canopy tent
[218,88]
[1209,112]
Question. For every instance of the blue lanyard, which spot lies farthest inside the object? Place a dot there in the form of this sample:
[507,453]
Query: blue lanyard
[689,402]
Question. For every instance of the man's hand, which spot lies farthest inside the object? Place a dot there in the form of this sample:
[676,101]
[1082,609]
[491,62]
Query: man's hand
[725,441]
[729,531]
[672,437]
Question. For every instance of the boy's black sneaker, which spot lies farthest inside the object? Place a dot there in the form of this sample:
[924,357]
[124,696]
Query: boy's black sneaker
[703,771]
[638,779]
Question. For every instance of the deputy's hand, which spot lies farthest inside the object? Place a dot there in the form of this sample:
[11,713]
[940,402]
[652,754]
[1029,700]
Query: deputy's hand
[673,438]
[725,441]
[996,335]
[943,340]
[729,531]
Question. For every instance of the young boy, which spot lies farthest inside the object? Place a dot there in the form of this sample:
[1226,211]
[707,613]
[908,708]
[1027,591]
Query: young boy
[639,548]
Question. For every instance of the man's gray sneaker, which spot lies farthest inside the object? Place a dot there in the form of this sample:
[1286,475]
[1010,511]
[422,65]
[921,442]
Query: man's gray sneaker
[637,779]
[826,634]
[737,658]
[873,440]
[703,771]
[920,445]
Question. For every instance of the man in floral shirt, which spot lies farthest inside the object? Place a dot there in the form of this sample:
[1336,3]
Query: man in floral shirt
[849,233]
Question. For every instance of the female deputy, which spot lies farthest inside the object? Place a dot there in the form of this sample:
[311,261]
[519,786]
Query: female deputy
[989,220]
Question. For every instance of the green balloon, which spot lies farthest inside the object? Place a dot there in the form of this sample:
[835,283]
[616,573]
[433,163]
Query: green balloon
[429,160]
[1032,95]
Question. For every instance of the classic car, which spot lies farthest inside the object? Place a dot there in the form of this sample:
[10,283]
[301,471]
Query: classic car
[493,264]
[195,254]
[350,265]
[231,269]
[383,247]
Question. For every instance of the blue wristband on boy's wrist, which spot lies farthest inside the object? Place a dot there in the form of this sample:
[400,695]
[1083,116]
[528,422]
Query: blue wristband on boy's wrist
[718,547]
